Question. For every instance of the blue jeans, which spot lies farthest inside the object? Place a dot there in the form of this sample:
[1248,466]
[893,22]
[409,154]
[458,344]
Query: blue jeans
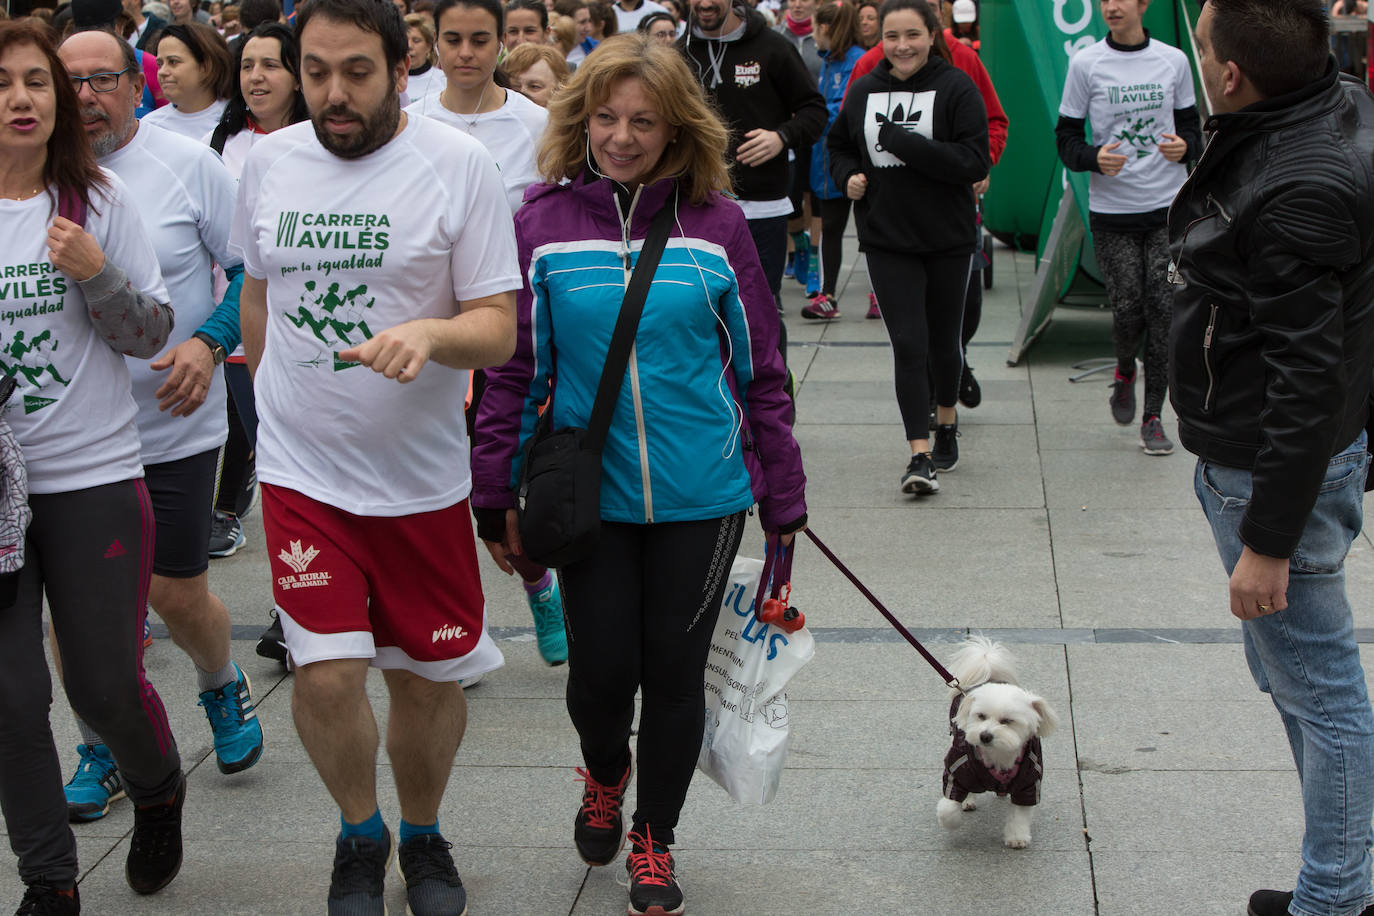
[1306,659]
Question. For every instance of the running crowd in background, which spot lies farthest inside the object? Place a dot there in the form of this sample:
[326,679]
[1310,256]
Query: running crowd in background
[336,260]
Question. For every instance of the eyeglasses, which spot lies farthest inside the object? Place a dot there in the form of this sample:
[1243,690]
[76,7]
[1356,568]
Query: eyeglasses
[99,82]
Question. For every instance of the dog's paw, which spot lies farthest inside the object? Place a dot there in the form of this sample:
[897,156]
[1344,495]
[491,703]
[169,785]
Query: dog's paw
[949,812]
[970,804]
[1016,839]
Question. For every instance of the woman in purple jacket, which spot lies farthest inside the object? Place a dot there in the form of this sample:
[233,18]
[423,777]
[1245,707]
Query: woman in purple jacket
[700,432]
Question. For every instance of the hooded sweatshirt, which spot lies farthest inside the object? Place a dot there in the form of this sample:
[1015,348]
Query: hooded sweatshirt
[757,80]
[922,142]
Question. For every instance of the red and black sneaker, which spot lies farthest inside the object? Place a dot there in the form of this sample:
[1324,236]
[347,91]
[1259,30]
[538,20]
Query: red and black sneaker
[654,890]
[599,828]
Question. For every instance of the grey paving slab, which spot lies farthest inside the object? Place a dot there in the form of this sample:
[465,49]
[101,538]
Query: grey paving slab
[1213,736]
[883,809]
[861,466]
[1136,567]
[1098,480]
[1205,882]
[835,883]
[1187,811]
[923,568]
[866,733]
[843,672]
[293,878]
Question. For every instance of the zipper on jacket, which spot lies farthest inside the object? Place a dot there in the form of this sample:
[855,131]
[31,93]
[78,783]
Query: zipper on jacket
[1207,358]
[633,367]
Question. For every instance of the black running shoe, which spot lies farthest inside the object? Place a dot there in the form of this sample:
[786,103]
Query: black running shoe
[599,828]
[970,394]
[433,887]
[946,450]
[357,886]
[272,642]
[920,478]
[654,890]
[42,899]
[1123,399]
[155,849]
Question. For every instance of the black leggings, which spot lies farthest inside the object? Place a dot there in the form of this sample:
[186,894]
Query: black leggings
[91,552]
[923,306]
[834,217]
[641,612]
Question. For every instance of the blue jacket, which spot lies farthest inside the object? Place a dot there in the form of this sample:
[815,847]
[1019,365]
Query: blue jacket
[834,79]
[702,427]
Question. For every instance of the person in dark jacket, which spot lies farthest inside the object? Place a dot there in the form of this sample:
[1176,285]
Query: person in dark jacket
[771,105]
[909,143]
[1271,353]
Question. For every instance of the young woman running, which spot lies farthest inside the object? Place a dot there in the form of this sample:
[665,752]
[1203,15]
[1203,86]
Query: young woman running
[910,141]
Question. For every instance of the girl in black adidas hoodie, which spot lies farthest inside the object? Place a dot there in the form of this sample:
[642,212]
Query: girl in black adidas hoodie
[909,142]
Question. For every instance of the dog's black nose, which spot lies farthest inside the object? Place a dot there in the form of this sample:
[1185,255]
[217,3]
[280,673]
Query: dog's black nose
[985,737]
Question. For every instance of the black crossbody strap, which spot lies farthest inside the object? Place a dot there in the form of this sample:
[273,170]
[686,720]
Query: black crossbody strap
[618,356]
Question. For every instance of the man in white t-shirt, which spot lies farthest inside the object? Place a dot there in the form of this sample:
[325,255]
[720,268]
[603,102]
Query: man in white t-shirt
[185,197]
[1138,95]
[364,473]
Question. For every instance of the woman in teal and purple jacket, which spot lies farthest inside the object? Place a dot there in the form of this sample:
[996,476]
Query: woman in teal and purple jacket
[701,430]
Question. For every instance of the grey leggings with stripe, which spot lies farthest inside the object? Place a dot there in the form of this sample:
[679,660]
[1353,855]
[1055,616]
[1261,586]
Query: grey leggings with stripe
[1135,267]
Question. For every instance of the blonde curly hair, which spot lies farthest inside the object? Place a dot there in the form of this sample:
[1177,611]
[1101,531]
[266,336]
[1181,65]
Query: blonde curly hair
[696,159]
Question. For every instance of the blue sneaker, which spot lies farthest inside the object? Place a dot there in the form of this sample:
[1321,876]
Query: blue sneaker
[813,283]
[94,785]
[789,270]
[234,720]
[547,607]
[801,267]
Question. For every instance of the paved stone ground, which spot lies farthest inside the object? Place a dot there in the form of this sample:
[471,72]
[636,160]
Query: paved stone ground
[1168,789]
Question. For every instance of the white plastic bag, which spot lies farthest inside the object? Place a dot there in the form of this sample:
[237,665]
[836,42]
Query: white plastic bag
[746,737]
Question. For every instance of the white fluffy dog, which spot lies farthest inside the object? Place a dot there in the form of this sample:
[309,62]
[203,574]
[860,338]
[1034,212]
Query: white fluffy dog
[997,726]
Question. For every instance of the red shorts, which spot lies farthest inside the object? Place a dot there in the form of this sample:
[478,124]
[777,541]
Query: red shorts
[404,592]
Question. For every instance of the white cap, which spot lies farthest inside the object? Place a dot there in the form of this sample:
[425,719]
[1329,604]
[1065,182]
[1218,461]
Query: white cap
[965,11]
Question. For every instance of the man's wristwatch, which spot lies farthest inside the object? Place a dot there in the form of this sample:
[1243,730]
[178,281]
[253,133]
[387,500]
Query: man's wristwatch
[216,349]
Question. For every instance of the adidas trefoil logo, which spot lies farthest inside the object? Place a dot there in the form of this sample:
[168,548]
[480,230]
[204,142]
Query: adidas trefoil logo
[449,632]
[298,559]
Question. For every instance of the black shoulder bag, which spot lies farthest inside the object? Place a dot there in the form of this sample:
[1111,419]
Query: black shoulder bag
[560,483]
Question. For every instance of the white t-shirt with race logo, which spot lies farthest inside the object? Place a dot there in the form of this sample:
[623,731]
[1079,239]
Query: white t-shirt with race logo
[191,126]
[73,412]
[511,134]
[1130,97]
[350,248]
[186,198]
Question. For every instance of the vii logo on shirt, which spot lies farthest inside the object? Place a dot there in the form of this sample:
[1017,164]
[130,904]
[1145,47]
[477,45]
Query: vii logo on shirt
[911,111]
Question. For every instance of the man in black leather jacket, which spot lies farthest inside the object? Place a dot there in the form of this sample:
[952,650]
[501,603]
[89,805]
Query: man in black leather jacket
[1271,349]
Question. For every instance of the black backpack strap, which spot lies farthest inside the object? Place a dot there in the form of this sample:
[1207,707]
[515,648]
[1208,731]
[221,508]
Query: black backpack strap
[618,356]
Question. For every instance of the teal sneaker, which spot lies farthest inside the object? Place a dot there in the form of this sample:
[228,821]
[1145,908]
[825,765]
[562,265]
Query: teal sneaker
[233,718]
[94,785]
[547,607]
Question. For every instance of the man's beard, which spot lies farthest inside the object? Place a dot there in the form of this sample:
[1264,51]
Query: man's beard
[108,140]
[377,128]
